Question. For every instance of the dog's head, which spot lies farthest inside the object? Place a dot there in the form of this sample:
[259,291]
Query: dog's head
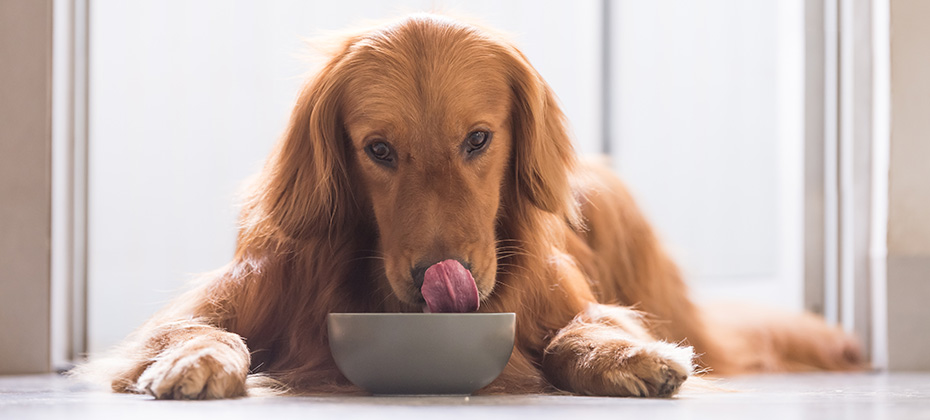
[434,129]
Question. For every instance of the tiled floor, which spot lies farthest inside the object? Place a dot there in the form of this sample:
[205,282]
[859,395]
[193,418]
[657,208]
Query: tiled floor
[807,396]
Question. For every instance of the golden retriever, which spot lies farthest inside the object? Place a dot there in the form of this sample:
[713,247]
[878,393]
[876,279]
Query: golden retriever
[429,152]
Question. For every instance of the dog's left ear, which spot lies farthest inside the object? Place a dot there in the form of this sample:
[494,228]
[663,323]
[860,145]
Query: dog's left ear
[543,156]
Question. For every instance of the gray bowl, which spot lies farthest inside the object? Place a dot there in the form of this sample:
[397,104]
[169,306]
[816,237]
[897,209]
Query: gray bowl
[421,353]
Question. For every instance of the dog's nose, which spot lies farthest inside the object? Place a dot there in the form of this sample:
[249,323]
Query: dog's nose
[418,272]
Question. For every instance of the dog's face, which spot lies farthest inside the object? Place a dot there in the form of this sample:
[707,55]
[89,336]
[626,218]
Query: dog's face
[435,130]
[429,123]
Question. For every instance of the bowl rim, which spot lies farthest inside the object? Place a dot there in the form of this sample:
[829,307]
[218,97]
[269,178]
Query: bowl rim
[418,314]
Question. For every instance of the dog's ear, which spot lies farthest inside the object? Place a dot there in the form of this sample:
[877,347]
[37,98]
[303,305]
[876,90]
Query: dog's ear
[304,189]
[543,156]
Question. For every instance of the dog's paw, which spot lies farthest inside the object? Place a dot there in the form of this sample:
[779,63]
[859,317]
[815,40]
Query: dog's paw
[615,359]
[201,368]
[655,369]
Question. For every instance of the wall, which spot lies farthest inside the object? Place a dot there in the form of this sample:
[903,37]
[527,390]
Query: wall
[908,266]
[25,190]
[186,99]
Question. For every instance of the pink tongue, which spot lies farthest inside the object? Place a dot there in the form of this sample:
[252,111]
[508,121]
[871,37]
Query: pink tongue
[449,287]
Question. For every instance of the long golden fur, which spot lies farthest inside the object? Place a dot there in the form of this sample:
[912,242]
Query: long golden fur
[380,172]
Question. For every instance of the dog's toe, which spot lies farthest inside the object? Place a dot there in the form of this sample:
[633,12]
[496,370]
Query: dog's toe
[654,370]
[195,371]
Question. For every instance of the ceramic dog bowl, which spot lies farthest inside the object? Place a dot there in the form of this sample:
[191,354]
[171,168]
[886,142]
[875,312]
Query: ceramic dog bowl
[421,353]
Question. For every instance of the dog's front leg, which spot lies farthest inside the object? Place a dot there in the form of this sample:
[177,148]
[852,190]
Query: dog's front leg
[607,350]
[186,360]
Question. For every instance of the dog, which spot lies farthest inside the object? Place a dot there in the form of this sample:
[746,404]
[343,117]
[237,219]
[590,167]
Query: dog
[429,153]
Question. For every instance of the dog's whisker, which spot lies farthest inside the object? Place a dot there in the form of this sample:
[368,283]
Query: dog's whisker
[369,257]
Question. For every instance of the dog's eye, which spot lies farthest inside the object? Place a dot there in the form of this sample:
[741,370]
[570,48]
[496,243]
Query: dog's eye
[381,152]
[476,141]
